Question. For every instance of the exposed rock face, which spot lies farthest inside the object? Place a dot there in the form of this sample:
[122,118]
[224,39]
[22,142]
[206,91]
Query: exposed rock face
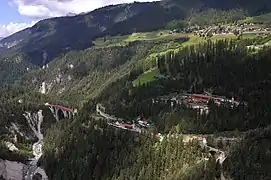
[34,121]
[43,88]
[11,146]
[12,170]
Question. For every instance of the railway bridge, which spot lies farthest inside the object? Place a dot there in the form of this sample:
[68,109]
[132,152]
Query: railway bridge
[61,112]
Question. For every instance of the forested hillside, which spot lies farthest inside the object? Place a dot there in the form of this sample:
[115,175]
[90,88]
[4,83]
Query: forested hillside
[106,153]
[261,6]
[251,159]
[14,103]
[51,37]
[222,67]
[78,76]
[176,90]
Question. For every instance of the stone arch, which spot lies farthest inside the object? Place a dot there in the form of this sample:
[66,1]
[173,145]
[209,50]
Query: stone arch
[212,152]
[54,109]
[37,176]
[60,114]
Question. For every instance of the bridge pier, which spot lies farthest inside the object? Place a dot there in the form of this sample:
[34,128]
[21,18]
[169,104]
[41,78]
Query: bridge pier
[54,112]
[67,115]
[60,112]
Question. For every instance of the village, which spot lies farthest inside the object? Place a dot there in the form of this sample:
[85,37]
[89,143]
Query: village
[234,29]
[196,101]
[245,28]
[138,125]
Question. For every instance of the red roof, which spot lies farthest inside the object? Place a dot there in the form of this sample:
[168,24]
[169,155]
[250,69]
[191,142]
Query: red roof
[63,108]
[201,96]
[156,137]
[127,125]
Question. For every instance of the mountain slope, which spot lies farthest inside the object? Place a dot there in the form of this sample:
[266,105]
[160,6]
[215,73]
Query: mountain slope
[253,7]
[79,75]
[51,37]
[105,74]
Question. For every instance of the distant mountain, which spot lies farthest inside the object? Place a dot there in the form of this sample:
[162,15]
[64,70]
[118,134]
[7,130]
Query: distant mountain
[1,38]
[253,7]
[49,38]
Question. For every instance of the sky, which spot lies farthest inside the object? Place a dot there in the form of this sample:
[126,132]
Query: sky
[16,15]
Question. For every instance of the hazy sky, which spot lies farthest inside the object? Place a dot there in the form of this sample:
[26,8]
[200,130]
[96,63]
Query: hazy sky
[16,15]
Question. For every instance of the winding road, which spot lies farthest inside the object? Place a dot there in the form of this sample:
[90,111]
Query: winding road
[187,137]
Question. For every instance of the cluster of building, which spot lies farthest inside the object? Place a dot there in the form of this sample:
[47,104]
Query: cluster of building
[194,101]
[197,101]
[139,125]
[245,28]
